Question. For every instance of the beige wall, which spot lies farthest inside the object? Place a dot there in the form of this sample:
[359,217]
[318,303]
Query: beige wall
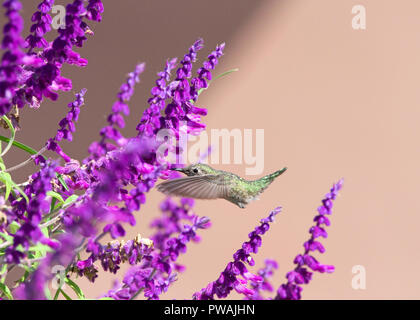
[334,102]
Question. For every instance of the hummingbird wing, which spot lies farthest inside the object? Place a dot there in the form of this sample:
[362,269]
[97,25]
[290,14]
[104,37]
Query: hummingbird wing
[198,187]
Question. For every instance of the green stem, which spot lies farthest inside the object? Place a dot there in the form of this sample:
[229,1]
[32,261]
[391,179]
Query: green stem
[217,77]
[24,163]
[31,151]
[19,145]
[12,135]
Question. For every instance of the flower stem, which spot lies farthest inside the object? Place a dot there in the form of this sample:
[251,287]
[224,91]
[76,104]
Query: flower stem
[12,135]
[24,163]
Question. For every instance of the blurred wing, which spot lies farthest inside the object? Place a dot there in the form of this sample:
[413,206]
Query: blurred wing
[198,187]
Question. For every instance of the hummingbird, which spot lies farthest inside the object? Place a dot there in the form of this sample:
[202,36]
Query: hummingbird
[204,182]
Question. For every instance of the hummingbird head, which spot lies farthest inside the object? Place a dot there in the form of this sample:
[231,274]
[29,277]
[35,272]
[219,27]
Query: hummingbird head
[198,169]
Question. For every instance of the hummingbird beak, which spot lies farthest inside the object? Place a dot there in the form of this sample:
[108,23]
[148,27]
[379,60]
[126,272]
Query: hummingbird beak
[178,169]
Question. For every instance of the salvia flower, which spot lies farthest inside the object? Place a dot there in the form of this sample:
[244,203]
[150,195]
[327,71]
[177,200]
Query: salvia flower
[264,285]
[236,275]
[30,233]
[44,79]
[181,110]
[67,126]
[41,25]
[94,10]
[112,255]
[13,57]
[151,119]
[171,220]
[156,273]
[204,73]
[306,262]
[115,118]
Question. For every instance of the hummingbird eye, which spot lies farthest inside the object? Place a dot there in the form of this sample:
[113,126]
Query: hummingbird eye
[195,170]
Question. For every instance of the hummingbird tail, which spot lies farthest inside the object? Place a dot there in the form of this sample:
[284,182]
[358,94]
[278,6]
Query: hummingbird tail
[264,182]
[276,174]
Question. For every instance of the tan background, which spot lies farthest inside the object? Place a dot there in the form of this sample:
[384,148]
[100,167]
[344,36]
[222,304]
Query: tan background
[334,102]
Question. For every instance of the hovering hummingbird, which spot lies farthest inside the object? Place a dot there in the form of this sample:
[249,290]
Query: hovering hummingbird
[204,182]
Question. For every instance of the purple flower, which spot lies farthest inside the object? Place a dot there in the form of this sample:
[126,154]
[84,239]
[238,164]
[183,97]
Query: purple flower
[151,122]
[264,285]
[74,175]
[13,58]
[301,274]
[43,78]
[29,233]
[181,109]
[94,10]
[116,119]
[204,73]
[33,289]
[112,255]
[67,126]
[41,25]
[156,274]
[171,220]
[229,278]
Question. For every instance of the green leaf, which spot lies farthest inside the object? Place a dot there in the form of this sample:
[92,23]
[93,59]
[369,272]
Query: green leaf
[6,236]
[52,206]
[12,135]
[23,194]
[58,232]
[47,293]
[45,232]
[5,289]
[75,288]
[70,200]
[7,180]
[106,298]
[57,293]
[20,145]
[40,250]
[60,178]
[13,227]
[64,294]
[3,271]
[28,271]
[55,195]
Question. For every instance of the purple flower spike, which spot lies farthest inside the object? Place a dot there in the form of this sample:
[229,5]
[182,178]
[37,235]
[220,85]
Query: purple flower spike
[264,285]
[178,90]
[157,272]
[13,57]
[94,10]
[229,278]
[30,233]
[204,73]
[301,274]
[40,73]
[115,118]
[150,121]
[67,126]
[112,255]
[41,25]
